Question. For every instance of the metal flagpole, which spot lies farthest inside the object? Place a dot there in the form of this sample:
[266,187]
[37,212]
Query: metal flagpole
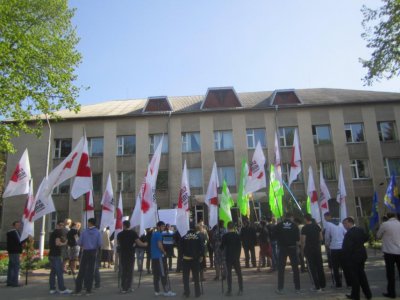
[294,199]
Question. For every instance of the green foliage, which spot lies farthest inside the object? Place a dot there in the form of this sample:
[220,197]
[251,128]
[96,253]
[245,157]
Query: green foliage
[382,33]
[37,64]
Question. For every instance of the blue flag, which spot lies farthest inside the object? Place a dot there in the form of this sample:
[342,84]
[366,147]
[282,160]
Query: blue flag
[392,201]
[374,219]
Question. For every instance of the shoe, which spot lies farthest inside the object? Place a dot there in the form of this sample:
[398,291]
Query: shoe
[240,293]
[157,294]
[315,290]
[387,295]
[131,290]
[89,293]
[52,292]
[76,294]
[169,294]
[299,291]
[66,291]
[123,292]
[279,292]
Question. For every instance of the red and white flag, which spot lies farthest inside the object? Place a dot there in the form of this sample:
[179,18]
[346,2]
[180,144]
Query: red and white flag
[212,197]
[182,213]
[341,195]
[19,181]
[277,165]
[108,207]
[312,193]
[295,163]
[256,178]
[29,210]
[325,195]
[88,211]
[137,211]
[119,216]
[83,181]
[43,203]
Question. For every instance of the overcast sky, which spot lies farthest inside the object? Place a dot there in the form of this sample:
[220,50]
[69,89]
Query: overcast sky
[138,49]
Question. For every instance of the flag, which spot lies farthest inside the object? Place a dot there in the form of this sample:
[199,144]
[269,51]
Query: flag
[29,209]
[19,181]
[341,195]
[108,207]
[392,201]
[119,216]
[278,167]
[43,203]
[275,194]
[312,197]
[88,210]
[182,212]
[242,198]
[325,195]
[374,219]
[83,181]
[225,205]
[212,197]
[295,163]
[256,177]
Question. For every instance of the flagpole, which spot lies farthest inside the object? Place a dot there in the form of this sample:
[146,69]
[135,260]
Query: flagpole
[294,199]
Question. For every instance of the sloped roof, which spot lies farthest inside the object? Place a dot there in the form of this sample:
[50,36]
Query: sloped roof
[249,100]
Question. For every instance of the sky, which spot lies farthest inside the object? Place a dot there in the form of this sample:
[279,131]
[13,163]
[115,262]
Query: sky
[138,49]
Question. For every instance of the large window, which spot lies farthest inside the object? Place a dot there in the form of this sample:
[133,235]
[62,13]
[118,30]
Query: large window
[125,181]
[254,136]
[363,206]
[191,142]
[223,140]
[387,131]
[285,167]
[195,177]
[62,189]
[96,146]
[126,145]
[354,132]
[97,182]
[321,134]
[162,180]
[62,147]
[392,166]
[227,173]
[286,136]
[328,169]
[155,140]
[359,169]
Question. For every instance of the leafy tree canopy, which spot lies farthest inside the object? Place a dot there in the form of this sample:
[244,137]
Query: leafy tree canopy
[37,64]
[382,33]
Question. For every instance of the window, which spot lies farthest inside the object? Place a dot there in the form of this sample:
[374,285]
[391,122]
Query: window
[354,132]
[223,140]
[363,206]
[286,172]
[95,147]
[162,180]
[286,136]
[125,181]
[97,182]
[359,169]
[387,131]
[191,142]
[255,135]
[126,145]
[63,188]
[227,173]
[328,170]
[199,213]
[195,176]
[392,166]
[52,221]
[62,147]
[321,134]
[155,140]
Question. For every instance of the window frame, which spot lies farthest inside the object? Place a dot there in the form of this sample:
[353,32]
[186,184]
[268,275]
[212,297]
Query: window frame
[327,172]
[354,166]
[121,180]
[121,141]
[90,146]
[218,134]
[158,136]
[316,138]
[283,136]
[380,130]
[349,127]
[187,144]
[251,133]
[386,166]
[200,175]
[58,147]
[231,182]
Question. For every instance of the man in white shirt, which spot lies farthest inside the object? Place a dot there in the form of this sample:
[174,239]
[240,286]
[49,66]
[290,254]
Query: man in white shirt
[389,232]
[334,235]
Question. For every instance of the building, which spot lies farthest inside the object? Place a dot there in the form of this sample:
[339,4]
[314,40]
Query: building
[355,129]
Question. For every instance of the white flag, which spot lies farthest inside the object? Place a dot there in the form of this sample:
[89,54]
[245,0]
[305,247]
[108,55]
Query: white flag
[312,194]
[325,195]
[256,179]
[88,211]
[278,167]
[28,225]
[212,197]
[295,163]
[108,207]
[137,212]
[19,181]
[119,216]
[182,214]
[83,181]
[341,195]
[43,202]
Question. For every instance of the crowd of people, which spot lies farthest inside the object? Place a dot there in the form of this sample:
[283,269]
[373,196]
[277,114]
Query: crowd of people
[81,253]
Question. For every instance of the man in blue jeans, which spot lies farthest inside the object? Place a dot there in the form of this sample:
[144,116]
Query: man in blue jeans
[56,241]
[14,250]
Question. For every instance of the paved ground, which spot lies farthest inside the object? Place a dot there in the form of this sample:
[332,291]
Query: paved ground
[257,285]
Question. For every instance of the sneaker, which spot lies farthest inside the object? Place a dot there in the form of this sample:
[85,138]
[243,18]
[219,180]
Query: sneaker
[313,289]
[279,292]
[89,293]
[157,294]
[299,291]
[169,294]
[123,292]
[76,294]
[66,291]
[52,292]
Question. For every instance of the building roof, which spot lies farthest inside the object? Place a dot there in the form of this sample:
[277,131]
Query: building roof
[249,101]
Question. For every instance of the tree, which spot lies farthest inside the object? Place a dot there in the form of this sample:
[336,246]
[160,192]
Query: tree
[382,33]
[37,64]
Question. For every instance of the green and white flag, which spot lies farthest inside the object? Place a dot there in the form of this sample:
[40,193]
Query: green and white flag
[242,198]
[275,194]
[225,205]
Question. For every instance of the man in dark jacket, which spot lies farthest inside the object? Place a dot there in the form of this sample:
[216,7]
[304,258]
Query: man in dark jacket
[248,236]
[14,250]
[355,255]
[288,235]
[192,248]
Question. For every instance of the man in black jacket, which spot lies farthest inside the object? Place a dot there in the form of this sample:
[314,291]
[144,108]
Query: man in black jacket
[192,248]
[248,235]
[355,255]
[14,250]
